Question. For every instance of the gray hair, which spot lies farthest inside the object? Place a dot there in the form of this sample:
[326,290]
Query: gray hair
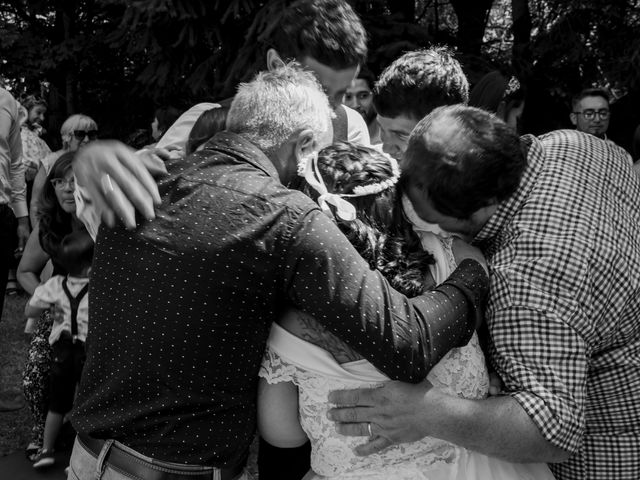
[278,103]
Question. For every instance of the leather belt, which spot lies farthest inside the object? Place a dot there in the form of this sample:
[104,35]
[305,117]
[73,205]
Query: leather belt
[138,467]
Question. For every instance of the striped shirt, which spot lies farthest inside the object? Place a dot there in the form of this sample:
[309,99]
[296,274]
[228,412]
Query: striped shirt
[564,312]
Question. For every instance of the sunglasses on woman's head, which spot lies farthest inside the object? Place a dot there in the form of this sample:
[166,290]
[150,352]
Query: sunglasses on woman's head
[80,134]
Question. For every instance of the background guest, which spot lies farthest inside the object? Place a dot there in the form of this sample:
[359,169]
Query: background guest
[163,119]
[359,96]
[13,207]
[590,112]
[57,219]
[77,130]
[68,295]
[503,96]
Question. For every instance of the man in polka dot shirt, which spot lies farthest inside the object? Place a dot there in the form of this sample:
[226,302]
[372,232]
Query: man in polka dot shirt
[181,307]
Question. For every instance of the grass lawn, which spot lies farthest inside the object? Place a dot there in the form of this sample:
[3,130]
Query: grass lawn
[14,426]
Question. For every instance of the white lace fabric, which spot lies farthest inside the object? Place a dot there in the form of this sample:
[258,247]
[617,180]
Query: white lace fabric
[314,371]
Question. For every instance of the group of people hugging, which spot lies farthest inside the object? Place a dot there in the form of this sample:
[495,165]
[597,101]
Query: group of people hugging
[456,303]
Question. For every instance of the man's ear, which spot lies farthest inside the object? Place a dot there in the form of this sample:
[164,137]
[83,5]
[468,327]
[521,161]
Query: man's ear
[273,59]
[574,119]
[305,144]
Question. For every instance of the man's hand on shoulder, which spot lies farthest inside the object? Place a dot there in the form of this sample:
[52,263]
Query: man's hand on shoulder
[119,181]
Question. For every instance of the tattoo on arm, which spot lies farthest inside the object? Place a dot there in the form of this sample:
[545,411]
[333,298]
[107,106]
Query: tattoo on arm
[307,328]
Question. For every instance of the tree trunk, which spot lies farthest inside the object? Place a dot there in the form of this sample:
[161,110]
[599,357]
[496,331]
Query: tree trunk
[521,52]
[472,20]
[69,73]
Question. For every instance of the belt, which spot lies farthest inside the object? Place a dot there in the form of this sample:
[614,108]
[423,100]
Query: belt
[138,467]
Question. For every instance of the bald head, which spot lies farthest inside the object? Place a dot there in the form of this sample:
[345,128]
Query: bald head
[464,159]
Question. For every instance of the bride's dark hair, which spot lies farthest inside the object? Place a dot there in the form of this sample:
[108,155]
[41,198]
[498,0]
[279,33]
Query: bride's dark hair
[379,232]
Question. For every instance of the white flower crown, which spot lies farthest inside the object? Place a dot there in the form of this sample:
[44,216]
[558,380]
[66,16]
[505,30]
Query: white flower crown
[374,188]
[361,190]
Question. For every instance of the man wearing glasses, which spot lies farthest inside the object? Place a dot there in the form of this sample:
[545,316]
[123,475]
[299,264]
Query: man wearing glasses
[590,112]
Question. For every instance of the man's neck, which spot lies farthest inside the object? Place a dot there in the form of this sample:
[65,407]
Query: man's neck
[374,132]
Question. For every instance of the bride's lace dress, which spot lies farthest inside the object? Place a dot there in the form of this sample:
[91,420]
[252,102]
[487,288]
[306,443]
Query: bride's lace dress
[462,372]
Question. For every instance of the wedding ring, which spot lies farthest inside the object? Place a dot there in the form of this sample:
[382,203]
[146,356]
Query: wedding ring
[107,186]
[369,429]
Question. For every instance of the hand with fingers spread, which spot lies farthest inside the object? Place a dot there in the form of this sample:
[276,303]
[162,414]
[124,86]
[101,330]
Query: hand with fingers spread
[392,414]
[119,181]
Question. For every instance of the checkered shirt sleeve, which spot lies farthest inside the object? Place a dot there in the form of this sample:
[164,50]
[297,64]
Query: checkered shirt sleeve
[564,256]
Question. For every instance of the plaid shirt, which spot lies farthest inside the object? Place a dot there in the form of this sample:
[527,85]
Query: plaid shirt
[564,312]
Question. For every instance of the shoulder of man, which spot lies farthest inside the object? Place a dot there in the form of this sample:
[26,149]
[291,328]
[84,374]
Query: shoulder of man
[357,130]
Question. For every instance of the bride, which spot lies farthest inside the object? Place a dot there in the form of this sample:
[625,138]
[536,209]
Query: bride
[304,362]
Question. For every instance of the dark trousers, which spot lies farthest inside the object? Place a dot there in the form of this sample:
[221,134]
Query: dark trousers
[66,368]
[8,225]
[283,463]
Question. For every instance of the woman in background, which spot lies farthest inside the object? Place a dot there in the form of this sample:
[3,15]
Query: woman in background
[77,130]
[57,219]
[500,95]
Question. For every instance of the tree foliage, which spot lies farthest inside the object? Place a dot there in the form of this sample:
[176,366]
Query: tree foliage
[116,59]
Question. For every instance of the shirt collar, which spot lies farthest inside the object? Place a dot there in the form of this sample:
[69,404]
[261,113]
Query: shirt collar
[534,154]
[238,147]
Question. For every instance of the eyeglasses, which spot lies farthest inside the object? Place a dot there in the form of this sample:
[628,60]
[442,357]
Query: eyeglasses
[61,183]
[361,96]
[590,114]
[80,134]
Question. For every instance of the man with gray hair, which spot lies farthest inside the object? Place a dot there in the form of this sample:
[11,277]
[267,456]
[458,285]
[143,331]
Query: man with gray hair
[181,308]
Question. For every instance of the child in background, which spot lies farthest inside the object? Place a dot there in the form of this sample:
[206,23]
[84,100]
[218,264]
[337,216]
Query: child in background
[67,296]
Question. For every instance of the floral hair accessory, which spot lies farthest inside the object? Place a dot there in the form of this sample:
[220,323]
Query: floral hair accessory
[375,188]
[308,168]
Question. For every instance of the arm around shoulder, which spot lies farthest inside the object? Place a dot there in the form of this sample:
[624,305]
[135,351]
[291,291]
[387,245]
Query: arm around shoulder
[327,278]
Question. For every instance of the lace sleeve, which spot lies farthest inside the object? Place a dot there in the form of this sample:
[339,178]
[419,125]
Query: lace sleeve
[274,369]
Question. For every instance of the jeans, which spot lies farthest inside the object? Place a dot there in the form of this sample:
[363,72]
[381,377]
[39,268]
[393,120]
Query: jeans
[84,466]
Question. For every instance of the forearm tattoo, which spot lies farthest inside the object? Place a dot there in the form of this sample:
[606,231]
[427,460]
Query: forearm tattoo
[307,328]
